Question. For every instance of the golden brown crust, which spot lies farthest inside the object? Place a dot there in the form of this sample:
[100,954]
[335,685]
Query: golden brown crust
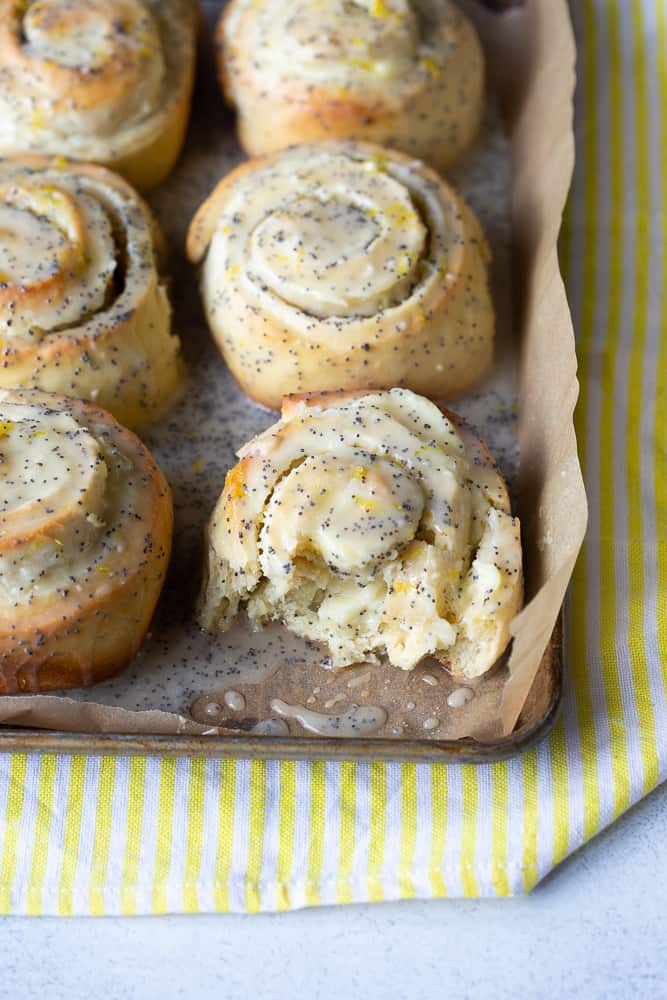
[424,318]
[117,349]
[297,400]
[102,80]
[365,521]
[148,167]
[409,75]
[110,80]
[81,632]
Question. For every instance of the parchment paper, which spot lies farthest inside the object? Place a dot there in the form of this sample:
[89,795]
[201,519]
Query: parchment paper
[517,179]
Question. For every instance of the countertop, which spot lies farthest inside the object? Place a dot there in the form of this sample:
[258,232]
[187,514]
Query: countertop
[595,928]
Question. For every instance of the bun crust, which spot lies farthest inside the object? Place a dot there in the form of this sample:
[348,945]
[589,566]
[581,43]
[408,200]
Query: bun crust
[402,73]
[85,536]
[375,523]
[83,309]
[102,80]
[344,265]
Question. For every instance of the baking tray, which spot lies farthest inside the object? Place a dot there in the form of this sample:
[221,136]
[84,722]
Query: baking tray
[540,716]
[542,704]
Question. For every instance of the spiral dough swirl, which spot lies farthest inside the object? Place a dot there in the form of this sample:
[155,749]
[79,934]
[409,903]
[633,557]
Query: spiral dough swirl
[403,73]
[341,266]
[85,535]
[101,80]
[83,310]
[375,523]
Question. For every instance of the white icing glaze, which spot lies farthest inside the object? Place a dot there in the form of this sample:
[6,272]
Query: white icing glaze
[459,697]
[83,309]
[57,256]
[330,233]
[376,42]
[414,65]
[357,722]
[94,79]
[64,500]
[234,700]
[85,536]
[334,265]
[297,249]
[373,524]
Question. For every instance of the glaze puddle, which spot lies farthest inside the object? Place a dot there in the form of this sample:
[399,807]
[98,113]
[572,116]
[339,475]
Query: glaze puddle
[358,721]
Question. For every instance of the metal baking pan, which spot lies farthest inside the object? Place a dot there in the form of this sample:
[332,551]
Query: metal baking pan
[541,712]
[202,165]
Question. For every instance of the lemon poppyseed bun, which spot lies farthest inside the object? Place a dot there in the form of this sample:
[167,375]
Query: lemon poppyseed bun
[83,308]
[403,73]
[340,266]
[375,523]
[102,80]
[85,535]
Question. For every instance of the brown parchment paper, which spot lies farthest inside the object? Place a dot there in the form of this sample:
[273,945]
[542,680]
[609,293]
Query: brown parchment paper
[532,59]
[530,56]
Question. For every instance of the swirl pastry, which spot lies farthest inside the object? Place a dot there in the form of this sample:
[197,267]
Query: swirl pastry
[403,73]
[341,266]
[102,80]
[83,310]
[85,536]
[375,523]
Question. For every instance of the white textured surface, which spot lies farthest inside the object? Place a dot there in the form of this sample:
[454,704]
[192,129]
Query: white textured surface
[595,928]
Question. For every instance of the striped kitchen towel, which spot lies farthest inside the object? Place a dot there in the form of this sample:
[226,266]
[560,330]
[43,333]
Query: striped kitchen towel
[114,835]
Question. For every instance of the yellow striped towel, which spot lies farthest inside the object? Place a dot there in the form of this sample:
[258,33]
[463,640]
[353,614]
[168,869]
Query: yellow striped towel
[114,835]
